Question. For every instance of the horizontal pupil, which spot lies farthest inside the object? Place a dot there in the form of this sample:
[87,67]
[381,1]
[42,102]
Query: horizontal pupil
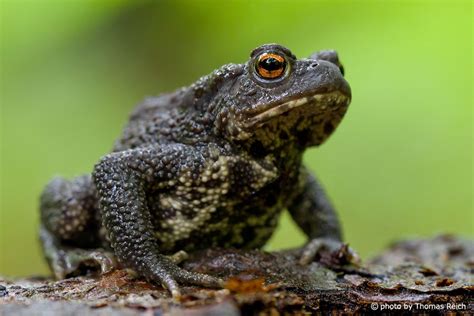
[271,64]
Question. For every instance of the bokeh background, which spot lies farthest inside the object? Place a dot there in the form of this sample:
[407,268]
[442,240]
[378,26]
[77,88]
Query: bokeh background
[399,166]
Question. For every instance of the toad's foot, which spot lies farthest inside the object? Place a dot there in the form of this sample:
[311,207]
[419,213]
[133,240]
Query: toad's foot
[169,275]
[329,250]
[184,276]
[66,261]
[74,262]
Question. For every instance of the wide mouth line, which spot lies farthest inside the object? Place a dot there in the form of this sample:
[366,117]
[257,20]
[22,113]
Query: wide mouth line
[271,111]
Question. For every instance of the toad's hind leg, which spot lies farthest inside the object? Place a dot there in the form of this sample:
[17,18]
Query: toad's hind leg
[69,230]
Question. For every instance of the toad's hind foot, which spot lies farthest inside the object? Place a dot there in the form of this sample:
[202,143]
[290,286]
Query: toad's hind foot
[67,261]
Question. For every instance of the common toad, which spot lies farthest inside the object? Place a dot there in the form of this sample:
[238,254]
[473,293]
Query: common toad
[209,165]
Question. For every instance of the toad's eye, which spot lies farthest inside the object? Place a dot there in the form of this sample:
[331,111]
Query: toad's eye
[270,66]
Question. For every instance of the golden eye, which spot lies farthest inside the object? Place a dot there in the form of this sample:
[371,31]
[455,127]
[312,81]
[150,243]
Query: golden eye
[270,66]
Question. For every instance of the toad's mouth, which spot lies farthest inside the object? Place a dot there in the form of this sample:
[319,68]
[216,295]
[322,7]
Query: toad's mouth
[320,102]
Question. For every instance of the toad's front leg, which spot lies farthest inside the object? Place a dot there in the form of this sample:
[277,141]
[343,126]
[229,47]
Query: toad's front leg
[121,179]
[313,212]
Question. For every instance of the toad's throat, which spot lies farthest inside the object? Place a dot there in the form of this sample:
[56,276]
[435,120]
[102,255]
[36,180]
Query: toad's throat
[319,103]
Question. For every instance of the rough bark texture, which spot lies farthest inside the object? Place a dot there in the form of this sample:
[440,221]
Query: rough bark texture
[429,276]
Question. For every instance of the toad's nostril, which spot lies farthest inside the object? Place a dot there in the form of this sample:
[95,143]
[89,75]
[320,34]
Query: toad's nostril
[314,65]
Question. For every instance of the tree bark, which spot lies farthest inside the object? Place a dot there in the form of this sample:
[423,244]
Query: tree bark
[427,276]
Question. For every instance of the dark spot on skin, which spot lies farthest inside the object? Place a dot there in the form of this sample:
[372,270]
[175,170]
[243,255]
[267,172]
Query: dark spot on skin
[328,128]
[270,200]
[303,137]
[189,213]
[218,216]
[154,206]
[248,234]
[255,211]
[283,135]
[257,149]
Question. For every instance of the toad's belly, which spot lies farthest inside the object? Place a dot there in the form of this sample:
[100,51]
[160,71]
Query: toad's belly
[235,202]
[187,225]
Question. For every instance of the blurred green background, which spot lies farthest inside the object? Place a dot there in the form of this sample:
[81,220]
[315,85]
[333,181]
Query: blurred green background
[399,166]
